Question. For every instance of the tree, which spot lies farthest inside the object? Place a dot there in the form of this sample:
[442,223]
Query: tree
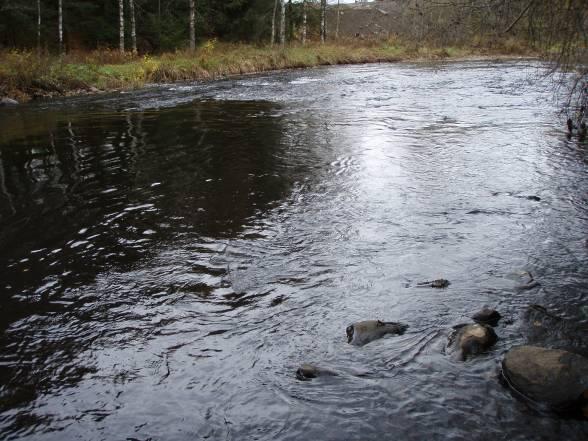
[338,19]
[121,25]
[323,20]
[273,38]
[60,30]
[303,22]
[282,23]
[39,28]
[192,25]
[133,26]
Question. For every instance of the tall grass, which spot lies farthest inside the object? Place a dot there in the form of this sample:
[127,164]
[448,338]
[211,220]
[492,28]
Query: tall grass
[24,75]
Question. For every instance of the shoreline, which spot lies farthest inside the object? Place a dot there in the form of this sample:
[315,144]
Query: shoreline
[24,77]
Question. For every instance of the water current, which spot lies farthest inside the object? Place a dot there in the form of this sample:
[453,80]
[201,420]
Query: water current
[170,256]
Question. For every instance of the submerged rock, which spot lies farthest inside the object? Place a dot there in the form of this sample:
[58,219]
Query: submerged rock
[437,283]
[555,377]
[530,282]
[487,316]
[308,371]
[472,339]
[8,102]
[361,333]
[543,327]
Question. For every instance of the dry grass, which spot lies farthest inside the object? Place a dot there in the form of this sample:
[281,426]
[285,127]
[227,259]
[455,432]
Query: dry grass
[23,75]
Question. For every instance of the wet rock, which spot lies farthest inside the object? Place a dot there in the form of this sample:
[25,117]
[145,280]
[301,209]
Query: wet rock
[437,283]
[361,333]
[6,102]
[471,339]
[487,316]
[308,371]
[554,377]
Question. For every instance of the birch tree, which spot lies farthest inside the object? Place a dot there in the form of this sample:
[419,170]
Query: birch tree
[192,25]
[39,28]
[121,25]
[283,23]
[60,26]
[133,26]
[274,23]
[338,19]
[303,22]
[323,20]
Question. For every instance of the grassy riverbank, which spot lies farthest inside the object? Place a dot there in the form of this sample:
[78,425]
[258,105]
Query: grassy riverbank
[24,75]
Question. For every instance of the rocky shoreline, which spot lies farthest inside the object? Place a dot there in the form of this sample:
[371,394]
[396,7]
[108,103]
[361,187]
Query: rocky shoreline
[549,372]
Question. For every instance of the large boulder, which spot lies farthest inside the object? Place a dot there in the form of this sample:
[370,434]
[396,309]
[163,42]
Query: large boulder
[555,377]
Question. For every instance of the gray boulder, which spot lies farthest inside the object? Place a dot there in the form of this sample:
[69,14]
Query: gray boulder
[553,377]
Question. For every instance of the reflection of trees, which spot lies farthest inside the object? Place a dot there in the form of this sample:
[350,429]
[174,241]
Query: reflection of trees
[217,165]
[217,162]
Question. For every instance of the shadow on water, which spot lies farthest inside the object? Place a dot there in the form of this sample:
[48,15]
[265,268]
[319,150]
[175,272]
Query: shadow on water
[94,192]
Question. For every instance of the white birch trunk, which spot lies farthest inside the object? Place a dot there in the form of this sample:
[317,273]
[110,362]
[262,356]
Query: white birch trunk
[133,26]
[39,28]
[323,20]
[274,24]
[121,25]
[60,13]
[283,23]
[303,22]
[192,25]
[338,19]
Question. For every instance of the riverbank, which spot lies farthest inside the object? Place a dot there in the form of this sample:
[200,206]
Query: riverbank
[25,76]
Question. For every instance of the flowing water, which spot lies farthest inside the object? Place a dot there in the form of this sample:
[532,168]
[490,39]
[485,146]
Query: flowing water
[168,257]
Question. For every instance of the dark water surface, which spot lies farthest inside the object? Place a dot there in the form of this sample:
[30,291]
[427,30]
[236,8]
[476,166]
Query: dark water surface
[168,257]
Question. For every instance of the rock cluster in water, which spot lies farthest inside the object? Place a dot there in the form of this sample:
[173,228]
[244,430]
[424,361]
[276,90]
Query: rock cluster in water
[556,378]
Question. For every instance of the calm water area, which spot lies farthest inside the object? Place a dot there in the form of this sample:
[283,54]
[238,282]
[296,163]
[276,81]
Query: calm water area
[170,256]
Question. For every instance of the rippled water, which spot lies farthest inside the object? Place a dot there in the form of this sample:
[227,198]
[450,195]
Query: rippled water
[169,257]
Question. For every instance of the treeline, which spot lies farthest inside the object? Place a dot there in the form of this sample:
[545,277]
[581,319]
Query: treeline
[151,26]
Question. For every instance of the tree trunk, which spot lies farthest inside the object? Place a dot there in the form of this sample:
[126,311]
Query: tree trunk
[274,23]
[192,26]
[303,22]
[159,23]
[338,19]
[121,25]
[39,28]
[283,23]
[323,20]
[133,26]
[60,13]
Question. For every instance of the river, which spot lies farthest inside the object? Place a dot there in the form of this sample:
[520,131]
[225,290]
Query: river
[170,256]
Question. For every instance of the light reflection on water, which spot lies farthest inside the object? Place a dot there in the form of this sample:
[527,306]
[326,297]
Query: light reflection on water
[168,257]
